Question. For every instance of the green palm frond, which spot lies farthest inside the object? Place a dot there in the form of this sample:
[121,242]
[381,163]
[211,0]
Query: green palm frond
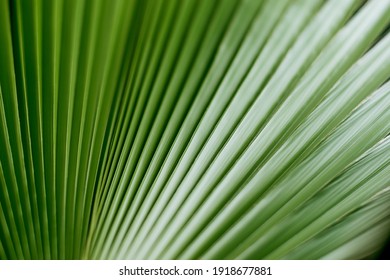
[196,129]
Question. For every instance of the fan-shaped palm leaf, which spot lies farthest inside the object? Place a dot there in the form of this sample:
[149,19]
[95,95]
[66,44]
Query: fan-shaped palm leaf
[194,129]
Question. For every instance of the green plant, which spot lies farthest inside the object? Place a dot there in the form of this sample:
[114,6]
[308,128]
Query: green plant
[194,129]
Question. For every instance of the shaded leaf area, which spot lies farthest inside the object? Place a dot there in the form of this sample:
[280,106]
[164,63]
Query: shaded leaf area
[197,129]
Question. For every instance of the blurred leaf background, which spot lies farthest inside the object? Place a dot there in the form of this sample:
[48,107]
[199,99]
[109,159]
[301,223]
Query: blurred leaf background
[194,129]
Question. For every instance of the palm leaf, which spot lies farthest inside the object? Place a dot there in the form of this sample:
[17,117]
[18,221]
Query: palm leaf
[232,129]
